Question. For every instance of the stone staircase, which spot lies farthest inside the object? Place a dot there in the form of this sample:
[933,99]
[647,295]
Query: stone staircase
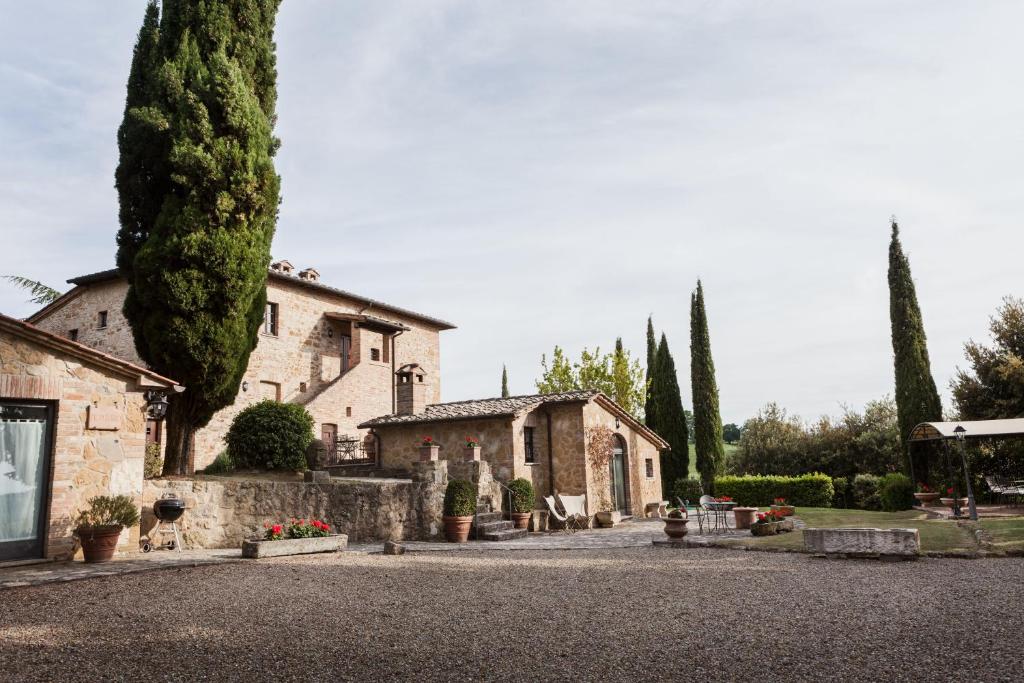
[490,526]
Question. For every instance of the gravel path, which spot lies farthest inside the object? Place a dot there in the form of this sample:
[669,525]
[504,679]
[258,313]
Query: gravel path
[627,614]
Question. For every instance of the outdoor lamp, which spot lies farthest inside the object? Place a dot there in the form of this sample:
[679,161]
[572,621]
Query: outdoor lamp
[156,404]
[961,436]
[616,422]
[960,433]
[245,386]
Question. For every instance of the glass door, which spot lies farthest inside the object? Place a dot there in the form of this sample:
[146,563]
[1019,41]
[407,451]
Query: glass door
[25,434]
[618,480]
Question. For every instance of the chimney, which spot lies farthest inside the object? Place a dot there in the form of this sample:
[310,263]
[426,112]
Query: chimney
[283,267]
[309,274]
[410,390]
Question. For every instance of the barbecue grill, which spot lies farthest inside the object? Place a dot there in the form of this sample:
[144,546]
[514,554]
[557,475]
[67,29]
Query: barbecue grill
[167,510]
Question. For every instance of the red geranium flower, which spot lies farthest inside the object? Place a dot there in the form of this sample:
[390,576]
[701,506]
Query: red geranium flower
[950,490]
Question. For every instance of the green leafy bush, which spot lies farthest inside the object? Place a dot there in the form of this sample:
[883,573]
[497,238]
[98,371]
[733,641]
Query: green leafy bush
[154,463]
[270,435]
[841,489]
[222,464]
[686,489]
[523,498]
[460,498]
[896,492]
[109,511]
[865,492]
[808,490]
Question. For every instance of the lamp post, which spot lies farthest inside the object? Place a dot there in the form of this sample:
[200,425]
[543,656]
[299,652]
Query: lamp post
[961,437]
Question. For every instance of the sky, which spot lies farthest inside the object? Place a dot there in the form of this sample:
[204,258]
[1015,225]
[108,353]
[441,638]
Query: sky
[545,173]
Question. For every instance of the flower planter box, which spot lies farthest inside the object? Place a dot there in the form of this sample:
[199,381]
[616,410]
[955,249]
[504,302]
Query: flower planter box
[926,499]
[767,529]
[904,543]
[429,453]
[948,502]
[608,519]
[257,548]
[785,510]
[471,453]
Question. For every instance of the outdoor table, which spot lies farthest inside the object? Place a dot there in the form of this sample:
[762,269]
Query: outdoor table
[721,510]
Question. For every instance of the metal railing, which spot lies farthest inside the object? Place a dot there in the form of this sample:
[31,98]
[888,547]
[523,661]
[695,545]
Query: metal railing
[349,450]
[476,527]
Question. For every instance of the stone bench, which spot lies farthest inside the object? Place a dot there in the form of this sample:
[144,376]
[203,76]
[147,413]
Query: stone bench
[888,543]
[659,509]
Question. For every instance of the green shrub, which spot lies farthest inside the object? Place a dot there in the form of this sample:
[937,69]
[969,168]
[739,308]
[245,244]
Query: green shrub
[460,498]
[109,511]
[154,463]
[841,489]
[808,490]
[270,435]
[222,464]
[865,492]
[523,498]
[686,490]
[896,492]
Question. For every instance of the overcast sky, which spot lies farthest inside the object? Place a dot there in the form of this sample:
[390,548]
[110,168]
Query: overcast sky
[545,173]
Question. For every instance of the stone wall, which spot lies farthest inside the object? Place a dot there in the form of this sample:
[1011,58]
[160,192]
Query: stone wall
[86,461]
[221,512]
[642,489]
[303,359]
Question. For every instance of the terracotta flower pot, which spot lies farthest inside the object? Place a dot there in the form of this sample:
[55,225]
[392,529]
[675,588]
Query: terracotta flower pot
[429,453]
[471,453]
[99,542]
[785,510]
[521,520]
[675,527]
[927,498]
[456,529]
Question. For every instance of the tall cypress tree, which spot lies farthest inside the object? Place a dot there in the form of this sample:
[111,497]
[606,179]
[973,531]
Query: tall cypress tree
[917,399]
[199,198]
[504,382]
[675,463]
[707,420]
[652,356]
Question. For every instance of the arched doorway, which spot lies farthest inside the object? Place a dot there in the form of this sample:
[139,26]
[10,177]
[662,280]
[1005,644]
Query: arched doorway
[619,475]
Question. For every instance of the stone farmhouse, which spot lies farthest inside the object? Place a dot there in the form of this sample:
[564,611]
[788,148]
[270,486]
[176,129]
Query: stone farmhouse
[332,351]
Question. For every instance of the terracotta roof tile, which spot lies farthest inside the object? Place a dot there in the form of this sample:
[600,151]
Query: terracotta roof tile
[486,407]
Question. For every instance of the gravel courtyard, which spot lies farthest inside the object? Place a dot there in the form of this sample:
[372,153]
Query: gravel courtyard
[630,614]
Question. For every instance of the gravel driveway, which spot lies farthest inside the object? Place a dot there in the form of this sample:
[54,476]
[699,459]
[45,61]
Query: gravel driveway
[627,614]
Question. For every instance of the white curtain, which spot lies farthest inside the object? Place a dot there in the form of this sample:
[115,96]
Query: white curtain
[21,478]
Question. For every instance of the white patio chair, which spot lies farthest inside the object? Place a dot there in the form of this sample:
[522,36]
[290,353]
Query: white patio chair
[576,510]
[564,520]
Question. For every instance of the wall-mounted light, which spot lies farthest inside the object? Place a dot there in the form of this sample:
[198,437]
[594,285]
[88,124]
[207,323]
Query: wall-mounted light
[616,423]
[156,404]
[245,386]
[330,331]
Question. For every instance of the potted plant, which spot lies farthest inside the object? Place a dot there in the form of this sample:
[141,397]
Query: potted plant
[675,523]
[925,496]
[782,508]
[297,537]
[99,527]
[459,506]
[428,449]
[766,524]
[472,449]
[523,502]
[951,502]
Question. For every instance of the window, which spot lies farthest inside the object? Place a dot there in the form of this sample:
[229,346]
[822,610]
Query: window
[102,320]
[348,411]
[531,454]
[375,354]
[270,319]
[649,465]
[270,391]
[73,334]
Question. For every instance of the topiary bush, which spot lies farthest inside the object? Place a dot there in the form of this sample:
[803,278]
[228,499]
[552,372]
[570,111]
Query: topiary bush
[460,498]
[686,489]
[808,490]
[523,498]
[896,492]
[270,435]
[865,492]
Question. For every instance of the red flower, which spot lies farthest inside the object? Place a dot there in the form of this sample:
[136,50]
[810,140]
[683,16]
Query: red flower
[950,490]
[276,528]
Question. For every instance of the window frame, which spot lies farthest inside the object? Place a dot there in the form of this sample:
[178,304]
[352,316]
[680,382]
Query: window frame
[73,334]
[102,320]
[649,467]
[272,319]
[529,446]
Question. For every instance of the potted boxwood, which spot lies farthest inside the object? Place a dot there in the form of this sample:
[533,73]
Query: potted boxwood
[675,523]
[523,501]
[99,526]
[459,506]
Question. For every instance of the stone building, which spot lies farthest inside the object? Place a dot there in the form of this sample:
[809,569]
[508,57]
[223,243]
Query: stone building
[72,426]
[330,350]
[579,442]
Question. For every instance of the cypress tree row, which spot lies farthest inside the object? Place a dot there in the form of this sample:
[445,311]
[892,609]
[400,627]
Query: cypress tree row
[652,356]
[199,197]
[675,463]
[917,399]
[504,382]
[707,421]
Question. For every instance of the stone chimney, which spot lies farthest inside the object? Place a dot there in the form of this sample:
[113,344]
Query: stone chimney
[283,267]
[410,390]
[310,274]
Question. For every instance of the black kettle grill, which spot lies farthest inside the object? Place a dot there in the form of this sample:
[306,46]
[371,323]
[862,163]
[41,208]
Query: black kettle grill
[168,509]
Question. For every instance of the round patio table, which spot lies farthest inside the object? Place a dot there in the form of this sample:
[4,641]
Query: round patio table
[721,510]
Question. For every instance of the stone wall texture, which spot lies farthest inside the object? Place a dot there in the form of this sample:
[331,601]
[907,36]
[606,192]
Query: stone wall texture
[301,364]
[85,462]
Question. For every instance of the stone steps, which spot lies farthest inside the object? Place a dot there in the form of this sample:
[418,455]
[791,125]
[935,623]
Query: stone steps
[492,526]
[505,535]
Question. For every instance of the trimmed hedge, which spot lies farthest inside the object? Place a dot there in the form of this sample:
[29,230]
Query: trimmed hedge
[808,490]
[865,492]
[269,435]
[460,498]
[686,489]
[523,498]
[842,497]
[896,492]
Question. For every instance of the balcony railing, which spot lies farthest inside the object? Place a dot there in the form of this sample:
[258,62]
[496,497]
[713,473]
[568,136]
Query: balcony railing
[349,450]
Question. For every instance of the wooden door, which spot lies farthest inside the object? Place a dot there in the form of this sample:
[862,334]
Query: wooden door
[329,435]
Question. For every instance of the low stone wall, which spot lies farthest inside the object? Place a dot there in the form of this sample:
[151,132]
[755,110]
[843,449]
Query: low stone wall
[863,542]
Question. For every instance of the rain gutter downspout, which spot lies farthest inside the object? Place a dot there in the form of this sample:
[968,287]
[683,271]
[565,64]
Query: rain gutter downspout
[394,388]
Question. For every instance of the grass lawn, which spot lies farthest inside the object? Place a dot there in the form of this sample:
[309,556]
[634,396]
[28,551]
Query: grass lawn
[1005,534]
[693,473]
[936,535]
